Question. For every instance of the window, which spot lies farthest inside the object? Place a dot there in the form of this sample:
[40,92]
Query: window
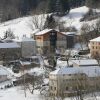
[69,74]
[54,88]
[93,47]
[96,47]
[63,74]
[66,88]
[38,37]
[51,87]
[96,53]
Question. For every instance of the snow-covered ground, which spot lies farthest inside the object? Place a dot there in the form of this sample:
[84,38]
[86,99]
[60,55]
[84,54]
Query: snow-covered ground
[15,93]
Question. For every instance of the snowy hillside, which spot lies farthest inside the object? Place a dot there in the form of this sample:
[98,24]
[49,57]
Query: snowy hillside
[21,26]
[18,26]
[74,16]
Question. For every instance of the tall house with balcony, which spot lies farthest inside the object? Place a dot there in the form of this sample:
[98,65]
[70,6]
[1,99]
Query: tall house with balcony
[95,47]
[43,40]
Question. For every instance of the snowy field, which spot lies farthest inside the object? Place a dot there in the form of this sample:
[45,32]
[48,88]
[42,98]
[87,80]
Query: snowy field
[15,93]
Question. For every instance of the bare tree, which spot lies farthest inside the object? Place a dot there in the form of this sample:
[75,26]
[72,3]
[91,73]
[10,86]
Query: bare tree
[38,17]
[96,27]
[37,22]
[29,81]
[67,23]
[85,33]
[67,54]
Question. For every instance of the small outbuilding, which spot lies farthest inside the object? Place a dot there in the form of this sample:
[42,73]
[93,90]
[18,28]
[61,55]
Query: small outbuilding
[28,46]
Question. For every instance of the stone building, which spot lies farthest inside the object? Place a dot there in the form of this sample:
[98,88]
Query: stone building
[95,47]
[68,81]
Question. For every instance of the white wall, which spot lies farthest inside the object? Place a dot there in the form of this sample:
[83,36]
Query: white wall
[28,48]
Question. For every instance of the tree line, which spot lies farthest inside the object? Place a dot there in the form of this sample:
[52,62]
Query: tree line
[10,9]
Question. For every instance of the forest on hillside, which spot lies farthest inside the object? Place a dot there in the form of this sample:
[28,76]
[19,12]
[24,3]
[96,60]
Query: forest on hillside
[10,9]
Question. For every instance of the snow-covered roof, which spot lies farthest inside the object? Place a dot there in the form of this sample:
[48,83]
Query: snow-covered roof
[23,39]
[43,32]
[25,63]
[48,30]
[8,39]
[36,71]
[3,71]
[9,45]
[86,62]
[89,71]
[96,39]
[69,33]
[35,31]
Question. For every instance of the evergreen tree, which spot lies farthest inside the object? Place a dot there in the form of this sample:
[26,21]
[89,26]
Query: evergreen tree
[51,7]
[65,5]
[59,6]
[50,22]
[76,3]
[93,3]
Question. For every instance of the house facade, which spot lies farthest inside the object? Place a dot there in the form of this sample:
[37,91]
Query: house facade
[95,47]
[67,81]
[43,40]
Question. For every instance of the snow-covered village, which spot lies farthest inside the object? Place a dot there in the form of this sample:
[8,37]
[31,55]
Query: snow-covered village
[49,50]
